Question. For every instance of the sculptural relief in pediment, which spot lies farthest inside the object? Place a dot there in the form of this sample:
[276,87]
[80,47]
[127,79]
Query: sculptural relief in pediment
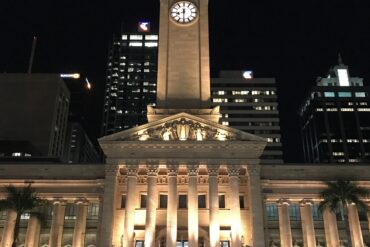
[182,129]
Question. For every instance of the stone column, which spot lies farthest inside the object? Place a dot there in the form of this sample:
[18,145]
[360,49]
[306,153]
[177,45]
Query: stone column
[33,232]
[355,226]
[331,228]
[109,206]
[80,223]
[256,205]
[8,231]
[151,206]
[57,224]
[193,228]
[129,227]
[308,231]
[284,224]
[236,230]
[172,206]
[214,222]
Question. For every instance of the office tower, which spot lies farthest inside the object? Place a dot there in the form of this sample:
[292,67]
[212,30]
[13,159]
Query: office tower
[34,110]
[131,79]
[250,104]
[335,119]
[78,146]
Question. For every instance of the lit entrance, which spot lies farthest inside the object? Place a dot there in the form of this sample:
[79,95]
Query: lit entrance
[182,243]
[224,244]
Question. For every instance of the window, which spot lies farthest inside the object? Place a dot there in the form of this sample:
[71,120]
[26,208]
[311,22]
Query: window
[272,212]
[344,94]
[221,201]
[93,210]
[139,243]
[360,95]
[25,216]
[123,201]
[183,201]
[294,212]
[182,243]
[343,77]
[241,202]
[151,44]
[136,44]
[136,37]
[329,94]
[151,37]
[143,198]
[316,214]
[224,244]
[202,201]
[70,212]
[163,201]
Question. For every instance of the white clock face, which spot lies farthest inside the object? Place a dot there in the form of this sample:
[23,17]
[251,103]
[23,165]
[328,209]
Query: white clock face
[184,12]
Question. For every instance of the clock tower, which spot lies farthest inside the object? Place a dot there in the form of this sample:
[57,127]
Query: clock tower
[183,59]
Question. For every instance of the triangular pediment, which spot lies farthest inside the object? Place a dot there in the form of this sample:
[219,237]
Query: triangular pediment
[182,127]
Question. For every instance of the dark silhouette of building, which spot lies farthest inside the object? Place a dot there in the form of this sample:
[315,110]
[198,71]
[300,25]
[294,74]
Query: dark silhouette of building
[335,119]
[131,79]
[34,110]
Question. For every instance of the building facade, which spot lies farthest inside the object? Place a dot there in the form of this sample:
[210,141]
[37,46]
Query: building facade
[131,79]
[183,179]
[34,109]
[251,105]
[335,119]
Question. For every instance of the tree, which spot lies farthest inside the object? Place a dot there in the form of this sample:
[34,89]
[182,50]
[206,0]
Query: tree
[22,200]
[339,195]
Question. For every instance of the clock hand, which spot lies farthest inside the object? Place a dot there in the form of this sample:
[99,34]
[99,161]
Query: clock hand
[183,13]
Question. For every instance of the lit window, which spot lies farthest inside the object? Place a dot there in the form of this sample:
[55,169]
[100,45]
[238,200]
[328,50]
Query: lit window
[136,44]
[151,44]
[344,94]
[329,94]
[256,92]
[146,70]
[16,154]
[319,109]
[136,37]
[343,77]
[124,37]
[151,37]
[225,123]
[360,95]
[239,100]
[363,109]
[221,92]
[346,109]
[338,153]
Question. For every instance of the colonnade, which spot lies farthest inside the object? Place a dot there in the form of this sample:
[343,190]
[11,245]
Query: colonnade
[192,205]
[308,231]
[56,229]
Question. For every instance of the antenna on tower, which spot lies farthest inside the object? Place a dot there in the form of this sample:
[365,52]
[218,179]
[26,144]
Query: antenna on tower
[32,54]
[340,60]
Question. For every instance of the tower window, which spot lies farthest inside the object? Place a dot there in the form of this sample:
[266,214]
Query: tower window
[221,201]
[123,201]
[241,202]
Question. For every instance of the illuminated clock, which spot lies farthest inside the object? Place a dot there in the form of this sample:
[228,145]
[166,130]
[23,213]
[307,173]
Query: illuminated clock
[184,12]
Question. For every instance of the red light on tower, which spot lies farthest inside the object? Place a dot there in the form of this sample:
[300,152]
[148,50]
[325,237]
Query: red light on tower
[144,27]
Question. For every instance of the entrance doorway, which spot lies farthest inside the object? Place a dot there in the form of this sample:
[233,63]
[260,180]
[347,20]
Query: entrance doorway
[182,243]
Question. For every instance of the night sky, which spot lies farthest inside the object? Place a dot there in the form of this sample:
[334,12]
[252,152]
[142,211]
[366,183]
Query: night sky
[295,42]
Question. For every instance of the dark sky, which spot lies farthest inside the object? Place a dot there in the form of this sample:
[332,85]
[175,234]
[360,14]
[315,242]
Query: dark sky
[292,41]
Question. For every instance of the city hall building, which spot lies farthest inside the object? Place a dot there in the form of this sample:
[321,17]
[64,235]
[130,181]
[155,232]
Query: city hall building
[183,179]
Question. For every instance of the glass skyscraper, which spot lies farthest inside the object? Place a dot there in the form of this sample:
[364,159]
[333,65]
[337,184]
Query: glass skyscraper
[131,79]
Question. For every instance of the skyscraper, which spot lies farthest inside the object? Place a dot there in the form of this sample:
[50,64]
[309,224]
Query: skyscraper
[250,104]
[131,79]
[335,119]
[34,109]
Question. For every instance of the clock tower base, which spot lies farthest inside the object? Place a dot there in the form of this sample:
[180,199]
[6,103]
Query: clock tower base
[212,115]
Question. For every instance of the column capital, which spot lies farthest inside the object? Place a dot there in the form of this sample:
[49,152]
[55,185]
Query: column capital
[305,202]
[233,170]
[82,201]
[60,201]
[152,170]
[253,170]
[282,202]
[193,169]
[213,170]
[131,170]
[172,170]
